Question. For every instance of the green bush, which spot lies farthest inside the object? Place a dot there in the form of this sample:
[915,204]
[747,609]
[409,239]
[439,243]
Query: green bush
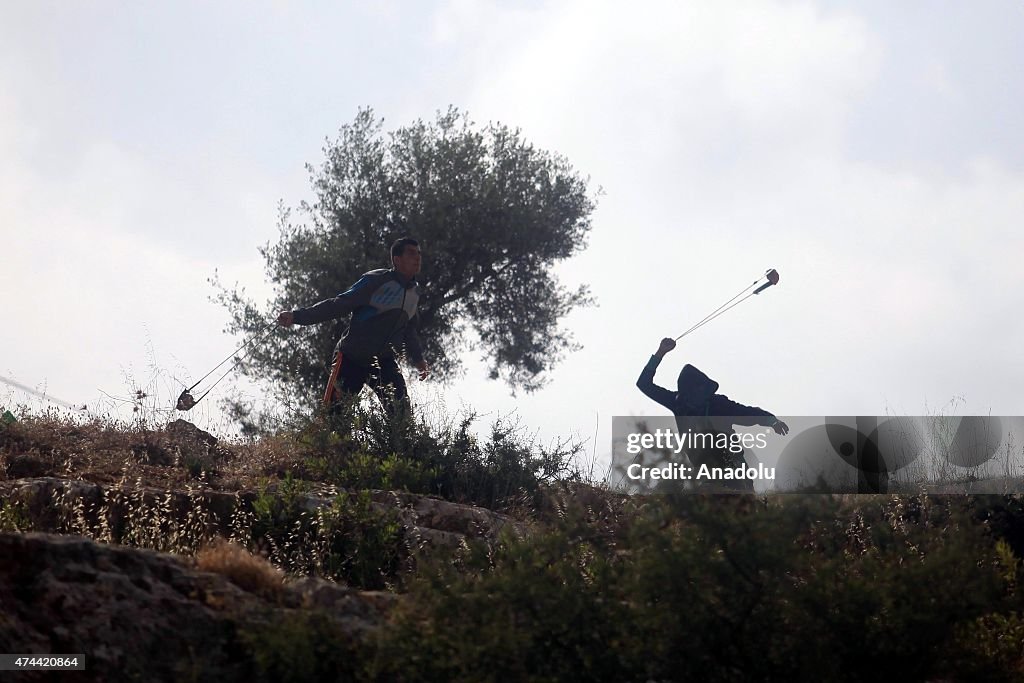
[536,610]
[365,449]
[366,547]
[300,647]
[276,513]
[348,540]
[722,589]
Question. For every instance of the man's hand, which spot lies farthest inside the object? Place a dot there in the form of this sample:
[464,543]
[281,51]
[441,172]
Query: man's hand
[285,319]
[781,427]
[667,345]
[424,369]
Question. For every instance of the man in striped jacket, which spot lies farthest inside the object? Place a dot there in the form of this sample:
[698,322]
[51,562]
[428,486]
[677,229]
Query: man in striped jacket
[383,308]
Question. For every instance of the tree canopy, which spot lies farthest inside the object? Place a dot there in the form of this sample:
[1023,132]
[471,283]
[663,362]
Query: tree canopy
[493,215]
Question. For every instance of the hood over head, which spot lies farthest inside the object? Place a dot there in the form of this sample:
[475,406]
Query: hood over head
[695,388]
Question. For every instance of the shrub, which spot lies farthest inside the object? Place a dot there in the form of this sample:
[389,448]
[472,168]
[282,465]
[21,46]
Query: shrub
[349,539]
[365,450]
[719,589]
[365,546]
[247,571]
[299,646]
[14,516]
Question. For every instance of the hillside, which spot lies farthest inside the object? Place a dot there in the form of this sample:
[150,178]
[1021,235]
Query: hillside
[161,553]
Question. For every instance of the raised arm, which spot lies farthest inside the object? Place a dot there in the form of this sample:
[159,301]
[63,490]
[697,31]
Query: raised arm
[646,384]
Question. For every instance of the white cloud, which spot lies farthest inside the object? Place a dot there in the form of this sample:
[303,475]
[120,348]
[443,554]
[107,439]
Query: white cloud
[640,80]
[937,76]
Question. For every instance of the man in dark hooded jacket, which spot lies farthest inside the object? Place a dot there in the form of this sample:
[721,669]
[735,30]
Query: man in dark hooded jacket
[698,408]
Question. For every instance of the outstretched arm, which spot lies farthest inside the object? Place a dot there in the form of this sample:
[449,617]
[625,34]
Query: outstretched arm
[745,415]
[355,296]
[646,384]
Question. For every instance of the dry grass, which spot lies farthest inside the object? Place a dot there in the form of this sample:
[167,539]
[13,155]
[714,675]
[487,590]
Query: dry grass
[170,489]
[247,571]
[109,451]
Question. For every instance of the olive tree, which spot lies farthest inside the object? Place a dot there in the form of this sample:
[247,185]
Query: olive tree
[493,215]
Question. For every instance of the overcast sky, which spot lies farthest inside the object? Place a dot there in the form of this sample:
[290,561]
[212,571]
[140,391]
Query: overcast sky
[872,152]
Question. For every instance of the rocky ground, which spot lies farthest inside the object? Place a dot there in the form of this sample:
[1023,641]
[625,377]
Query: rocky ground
[142,615]
[139,614]
[166,554]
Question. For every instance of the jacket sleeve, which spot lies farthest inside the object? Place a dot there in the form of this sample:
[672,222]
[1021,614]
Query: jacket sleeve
[355,296]
[646,384]
[747,416]
[412,340]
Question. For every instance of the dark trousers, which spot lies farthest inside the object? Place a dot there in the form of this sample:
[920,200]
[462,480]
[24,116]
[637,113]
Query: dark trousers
[382,375]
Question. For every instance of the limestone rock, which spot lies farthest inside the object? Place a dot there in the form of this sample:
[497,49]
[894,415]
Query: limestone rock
[143,615]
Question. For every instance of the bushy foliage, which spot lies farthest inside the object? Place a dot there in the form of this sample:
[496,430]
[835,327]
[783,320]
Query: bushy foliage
[348,540]
[719,589]
[366,450]
[299,647]
[14,517]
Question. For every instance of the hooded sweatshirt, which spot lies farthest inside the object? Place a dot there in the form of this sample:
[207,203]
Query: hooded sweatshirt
[699,408]
[696,396]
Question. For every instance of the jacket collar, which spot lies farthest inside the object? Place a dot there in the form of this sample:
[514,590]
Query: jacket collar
[406,282]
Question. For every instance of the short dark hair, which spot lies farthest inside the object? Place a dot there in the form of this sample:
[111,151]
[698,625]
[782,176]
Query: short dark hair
[398,248]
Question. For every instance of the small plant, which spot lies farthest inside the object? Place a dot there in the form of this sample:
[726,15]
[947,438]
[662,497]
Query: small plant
[348,539]
[14,516]
[362,545]
[247,571]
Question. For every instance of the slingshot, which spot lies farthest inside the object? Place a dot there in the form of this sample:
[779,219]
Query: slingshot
[771,275]
[187,402]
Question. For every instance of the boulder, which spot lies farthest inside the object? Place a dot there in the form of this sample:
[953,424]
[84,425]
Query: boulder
[142,615]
